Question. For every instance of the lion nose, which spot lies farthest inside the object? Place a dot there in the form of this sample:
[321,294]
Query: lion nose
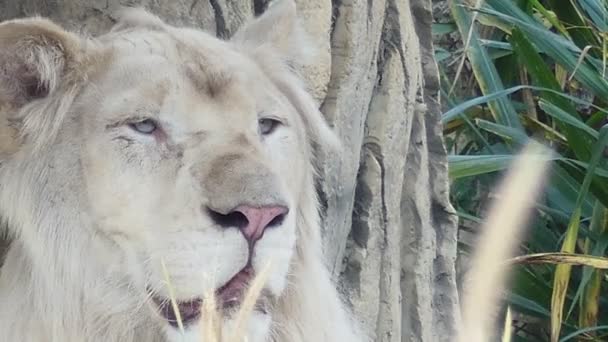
[252,221]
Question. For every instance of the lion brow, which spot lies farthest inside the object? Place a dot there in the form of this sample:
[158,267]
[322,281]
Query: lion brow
[210,82]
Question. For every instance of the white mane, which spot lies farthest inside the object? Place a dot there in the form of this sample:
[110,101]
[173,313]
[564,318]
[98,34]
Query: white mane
[60,281]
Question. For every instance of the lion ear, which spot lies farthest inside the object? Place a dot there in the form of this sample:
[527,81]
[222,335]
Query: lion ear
[277,29]
[35,58]
[132,17]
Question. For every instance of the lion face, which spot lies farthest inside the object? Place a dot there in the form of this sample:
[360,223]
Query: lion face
[191,159]
[193,162]
[195,165]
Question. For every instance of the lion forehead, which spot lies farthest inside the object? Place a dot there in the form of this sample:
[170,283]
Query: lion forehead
[209,64]
[208,78]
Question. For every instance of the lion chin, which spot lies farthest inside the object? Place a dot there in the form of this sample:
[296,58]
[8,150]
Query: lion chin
[158,185]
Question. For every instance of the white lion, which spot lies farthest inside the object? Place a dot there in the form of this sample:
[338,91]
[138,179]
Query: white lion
[156,146]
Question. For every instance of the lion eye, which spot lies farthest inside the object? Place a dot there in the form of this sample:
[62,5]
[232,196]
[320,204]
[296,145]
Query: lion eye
[147,126]
[267,126]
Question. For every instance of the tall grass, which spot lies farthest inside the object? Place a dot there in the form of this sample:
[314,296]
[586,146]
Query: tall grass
[212,320]
[535,70]
[500,235]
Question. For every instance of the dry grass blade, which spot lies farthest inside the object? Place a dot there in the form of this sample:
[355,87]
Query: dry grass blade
[558,298]
[500,236]
[211,318]
[251,298]
[562,258]
[590,302]
[506,336]
[466,46]
[178,315]
[590,307]
[580,60]
[212,324]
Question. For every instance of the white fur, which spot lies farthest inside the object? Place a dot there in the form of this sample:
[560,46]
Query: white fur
[93,207]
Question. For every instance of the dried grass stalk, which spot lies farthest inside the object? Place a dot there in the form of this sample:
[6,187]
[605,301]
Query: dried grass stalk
[500,235]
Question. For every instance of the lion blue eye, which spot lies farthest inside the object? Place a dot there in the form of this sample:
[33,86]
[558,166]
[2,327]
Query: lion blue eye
[147,126]
[267,125]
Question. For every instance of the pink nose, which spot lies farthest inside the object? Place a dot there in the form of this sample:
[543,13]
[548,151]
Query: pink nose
[252,221]
[258,219]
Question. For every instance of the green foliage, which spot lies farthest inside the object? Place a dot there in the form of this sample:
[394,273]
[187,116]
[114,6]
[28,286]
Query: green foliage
[536,69]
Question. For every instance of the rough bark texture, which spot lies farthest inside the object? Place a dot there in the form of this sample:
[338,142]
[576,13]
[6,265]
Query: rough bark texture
[390,231]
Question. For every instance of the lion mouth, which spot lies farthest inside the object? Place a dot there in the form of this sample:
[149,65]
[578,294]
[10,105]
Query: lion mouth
[228,296]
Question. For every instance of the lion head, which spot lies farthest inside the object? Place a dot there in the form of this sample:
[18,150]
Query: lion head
[155,163]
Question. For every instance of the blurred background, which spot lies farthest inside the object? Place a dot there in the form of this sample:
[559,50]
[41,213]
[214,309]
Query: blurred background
[512,71]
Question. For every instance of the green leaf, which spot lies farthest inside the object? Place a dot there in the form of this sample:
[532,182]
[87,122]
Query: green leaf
[563,191]
[562,272]
[543,77]
[525,304]
[564,117]
[458,110]
[484,70]
[440,29]
[583,331]
[557,47]
[508,133]
[466,166]
[591,281]
[550,17]
[597,12]
[441,54]
[567,13]
[496,49]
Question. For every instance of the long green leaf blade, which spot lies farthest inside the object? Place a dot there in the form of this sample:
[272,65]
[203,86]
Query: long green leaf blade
[542,76]
[562,272]
[484,69]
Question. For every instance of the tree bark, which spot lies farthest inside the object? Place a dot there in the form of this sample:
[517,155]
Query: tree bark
[390,232]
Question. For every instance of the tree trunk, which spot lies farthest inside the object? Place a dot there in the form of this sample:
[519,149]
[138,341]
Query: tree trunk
[390,232]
